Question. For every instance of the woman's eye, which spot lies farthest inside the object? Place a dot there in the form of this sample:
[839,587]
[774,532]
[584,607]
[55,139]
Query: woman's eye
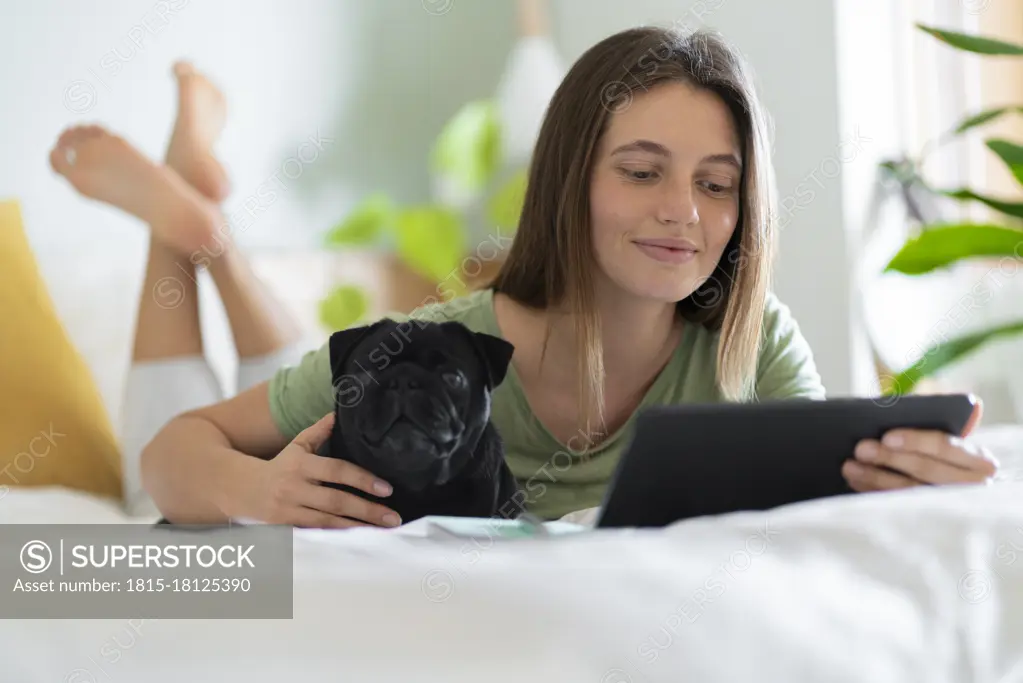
[716,188]
[453,379]
[640,175]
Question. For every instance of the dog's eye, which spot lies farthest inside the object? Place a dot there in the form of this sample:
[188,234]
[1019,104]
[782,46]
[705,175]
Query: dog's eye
[453,379]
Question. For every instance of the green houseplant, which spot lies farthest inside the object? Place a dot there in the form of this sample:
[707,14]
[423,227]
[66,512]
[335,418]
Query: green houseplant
[432,239]
[937,245]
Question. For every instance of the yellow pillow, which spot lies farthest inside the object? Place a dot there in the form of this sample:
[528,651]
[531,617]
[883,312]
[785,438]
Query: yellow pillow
[54,428]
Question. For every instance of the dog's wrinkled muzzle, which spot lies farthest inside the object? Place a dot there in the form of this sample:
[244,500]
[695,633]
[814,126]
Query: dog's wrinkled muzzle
[412,421]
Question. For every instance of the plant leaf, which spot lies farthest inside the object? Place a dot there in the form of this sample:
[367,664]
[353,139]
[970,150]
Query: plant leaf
[1011,154]
[469,146]
[505,207]
[984,117]
[343,307]
[945,353]
[1008,208]
[978,44]
[365,224]
[894,168]
[431,240]
[941,245]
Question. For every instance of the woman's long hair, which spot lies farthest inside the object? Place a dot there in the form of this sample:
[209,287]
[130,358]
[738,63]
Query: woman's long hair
[551,260]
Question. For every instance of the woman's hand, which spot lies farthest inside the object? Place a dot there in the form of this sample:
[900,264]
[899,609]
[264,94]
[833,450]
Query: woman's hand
[919,457]
[288,489]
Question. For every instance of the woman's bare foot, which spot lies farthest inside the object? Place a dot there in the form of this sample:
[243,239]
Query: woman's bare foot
[201,115]
[105,167]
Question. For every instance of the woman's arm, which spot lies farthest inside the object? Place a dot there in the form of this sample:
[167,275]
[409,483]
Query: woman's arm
[229,460]
[198,465]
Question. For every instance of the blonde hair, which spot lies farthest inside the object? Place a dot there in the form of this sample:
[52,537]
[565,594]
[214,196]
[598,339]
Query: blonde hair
[551,260]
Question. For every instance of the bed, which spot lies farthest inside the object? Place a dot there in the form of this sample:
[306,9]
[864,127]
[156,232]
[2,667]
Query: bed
[921,585]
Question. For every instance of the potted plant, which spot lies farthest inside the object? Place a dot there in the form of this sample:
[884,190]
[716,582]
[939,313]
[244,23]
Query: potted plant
[443,248]
[431,257]
[938,244]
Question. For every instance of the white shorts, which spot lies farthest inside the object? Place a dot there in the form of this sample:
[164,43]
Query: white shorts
[157,391]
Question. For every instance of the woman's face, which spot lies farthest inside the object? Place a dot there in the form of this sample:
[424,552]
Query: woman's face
[664,194]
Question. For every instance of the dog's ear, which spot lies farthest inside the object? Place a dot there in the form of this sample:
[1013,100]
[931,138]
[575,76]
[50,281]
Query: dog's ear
[496,354]
[343,341]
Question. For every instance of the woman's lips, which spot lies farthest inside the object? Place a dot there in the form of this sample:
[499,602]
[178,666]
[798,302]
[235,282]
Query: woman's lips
[667,254]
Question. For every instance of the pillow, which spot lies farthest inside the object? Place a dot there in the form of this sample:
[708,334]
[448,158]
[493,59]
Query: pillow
[54,428]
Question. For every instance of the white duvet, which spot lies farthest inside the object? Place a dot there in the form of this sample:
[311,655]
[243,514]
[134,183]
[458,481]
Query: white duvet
[923,585]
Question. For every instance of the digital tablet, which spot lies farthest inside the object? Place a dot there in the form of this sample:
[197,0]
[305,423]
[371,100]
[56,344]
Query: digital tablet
[688,461]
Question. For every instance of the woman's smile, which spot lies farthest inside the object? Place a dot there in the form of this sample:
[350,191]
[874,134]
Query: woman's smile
[673,251]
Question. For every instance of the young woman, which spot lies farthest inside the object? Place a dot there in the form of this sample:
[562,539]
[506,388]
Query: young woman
[639,275]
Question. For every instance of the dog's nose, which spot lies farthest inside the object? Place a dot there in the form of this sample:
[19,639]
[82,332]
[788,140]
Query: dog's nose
[403,383]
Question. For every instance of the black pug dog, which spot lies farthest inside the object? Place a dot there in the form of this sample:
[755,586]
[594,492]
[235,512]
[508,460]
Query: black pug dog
[412,406]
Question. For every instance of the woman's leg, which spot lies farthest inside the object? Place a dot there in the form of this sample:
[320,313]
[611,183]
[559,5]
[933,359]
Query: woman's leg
[169,374]
[186,228]
[265,336]
[168,317]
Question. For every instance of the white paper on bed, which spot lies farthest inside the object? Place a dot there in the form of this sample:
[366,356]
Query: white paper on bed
[921,585]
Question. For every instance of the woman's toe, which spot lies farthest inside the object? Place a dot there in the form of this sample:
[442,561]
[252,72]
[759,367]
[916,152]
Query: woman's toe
[68,136]
[182,69]
[78,135]
[61,158]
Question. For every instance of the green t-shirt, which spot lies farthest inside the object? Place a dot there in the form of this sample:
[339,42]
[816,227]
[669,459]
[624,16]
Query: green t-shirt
[560,478]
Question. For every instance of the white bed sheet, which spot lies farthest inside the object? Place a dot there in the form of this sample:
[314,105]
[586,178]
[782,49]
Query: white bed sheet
[923,585]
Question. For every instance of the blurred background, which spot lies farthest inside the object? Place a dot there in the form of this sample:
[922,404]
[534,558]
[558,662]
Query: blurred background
[339,101]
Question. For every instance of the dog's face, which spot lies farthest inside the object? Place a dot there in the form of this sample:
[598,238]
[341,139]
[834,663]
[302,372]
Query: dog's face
[413,398]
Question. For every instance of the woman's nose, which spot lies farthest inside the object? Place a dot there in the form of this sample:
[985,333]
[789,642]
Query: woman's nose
[678,205]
